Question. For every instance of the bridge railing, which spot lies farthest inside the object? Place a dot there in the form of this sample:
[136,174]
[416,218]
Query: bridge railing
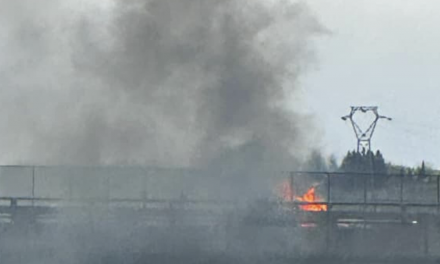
[370,190]
[30,184]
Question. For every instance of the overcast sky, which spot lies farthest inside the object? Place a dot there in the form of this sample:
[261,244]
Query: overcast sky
[378,52]
[383,53]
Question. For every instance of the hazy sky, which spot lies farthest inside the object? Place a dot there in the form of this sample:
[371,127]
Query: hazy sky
[383,53]
[378,52]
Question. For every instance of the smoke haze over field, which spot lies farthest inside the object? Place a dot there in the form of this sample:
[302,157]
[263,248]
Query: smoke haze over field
[170,83]
[153,82]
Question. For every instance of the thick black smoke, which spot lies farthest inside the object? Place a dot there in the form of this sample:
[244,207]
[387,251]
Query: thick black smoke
[152,82]
[171,83]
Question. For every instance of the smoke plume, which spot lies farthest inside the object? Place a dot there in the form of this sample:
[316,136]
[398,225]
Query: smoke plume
[151,82]
[168,83]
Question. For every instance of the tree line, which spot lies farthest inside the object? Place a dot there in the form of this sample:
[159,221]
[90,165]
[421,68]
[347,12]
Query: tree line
[367,163]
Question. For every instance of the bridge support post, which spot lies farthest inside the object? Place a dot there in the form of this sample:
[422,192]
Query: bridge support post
[328,223]
[425,226]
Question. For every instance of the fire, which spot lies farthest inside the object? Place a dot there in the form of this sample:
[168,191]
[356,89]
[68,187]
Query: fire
[310,197]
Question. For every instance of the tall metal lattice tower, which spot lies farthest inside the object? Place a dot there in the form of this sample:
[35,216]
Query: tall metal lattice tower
[364,136]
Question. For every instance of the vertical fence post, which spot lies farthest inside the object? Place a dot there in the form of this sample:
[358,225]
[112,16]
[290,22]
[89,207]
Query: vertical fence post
[33,186]
[69,186]
[328,190]
[365,190]
[402,207]
[144,190]
[364,213]
[328,220]
[291,186]
[107,190]
[401,189]
[438,193]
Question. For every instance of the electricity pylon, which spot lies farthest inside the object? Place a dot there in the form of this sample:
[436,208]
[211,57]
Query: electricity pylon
[364,136]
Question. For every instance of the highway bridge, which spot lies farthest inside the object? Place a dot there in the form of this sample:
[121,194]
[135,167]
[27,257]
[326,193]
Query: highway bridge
[397,223]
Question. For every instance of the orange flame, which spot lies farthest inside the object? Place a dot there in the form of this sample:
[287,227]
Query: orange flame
[310,197]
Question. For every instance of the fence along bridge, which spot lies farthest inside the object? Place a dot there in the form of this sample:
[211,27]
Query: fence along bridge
[397,220]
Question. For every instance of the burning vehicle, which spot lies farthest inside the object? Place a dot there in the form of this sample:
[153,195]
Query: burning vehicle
[309,201]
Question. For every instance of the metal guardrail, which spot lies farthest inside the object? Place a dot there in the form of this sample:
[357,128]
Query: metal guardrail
[401,200]
[37,176]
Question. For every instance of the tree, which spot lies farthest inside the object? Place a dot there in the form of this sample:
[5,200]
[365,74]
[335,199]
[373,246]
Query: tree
[422,171]
[316,162]
[333,163]
[402,172]
[348,163]
[379,169]
[410,173]
[379,163]
[396,169]
[368,163]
